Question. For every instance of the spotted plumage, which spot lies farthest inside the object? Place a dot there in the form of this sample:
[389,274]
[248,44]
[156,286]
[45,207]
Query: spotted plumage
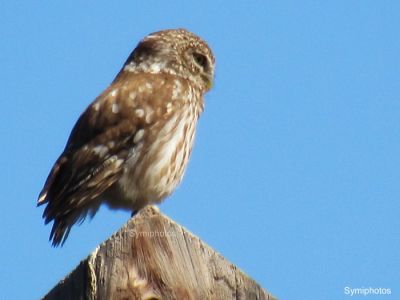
[131,146]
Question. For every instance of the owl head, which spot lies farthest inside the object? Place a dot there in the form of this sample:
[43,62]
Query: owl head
[177,52]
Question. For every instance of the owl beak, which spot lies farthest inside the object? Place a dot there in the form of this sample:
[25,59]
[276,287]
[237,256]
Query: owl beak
[208,80]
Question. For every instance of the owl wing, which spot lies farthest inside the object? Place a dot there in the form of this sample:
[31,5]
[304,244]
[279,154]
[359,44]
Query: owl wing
[99,144]
[81,175]
[90,163]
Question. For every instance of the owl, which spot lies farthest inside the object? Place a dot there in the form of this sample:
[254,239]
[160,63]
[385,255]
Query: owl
[131,146]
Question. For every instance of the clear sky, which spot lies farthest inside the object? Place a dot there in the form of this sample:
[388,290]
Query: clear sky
[295,172]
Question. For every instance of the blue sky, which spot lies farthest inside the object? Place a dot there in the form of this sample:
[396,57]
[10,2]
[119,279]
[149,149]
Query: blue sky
[295,172]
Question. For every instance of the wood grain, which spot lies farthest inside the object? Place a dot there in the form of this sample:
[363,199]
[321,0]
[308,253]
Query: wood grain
[152,257]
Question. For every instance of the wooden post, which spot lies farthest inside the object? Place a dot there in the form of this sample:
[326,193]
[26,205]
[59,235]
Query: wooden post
[152,257]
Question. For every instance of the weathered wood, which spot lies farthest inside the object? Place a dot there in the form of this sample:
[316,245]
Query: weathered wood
[152,257]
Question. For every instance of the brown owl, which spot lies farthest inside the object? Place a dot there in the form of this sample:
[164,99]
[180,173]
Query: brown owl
[131,146]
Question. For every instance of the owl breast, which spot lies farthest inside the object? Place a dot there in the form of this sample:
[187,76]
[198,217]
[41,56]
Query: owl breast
[157,163]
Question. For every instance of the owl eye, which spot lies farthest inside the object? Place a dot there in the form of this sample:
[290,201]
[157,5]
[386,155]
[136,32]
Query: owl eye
[200,59]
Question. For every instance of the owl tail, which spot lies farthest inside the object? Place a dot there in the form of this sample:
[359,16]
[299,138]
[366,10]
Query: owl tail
[60,232]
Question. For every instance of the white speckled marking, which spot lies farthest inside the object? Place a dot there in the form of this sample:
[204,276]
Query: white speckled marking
[132,95]
[115,108]
[100,150]
[149,86]
[149,116]
[96,106]
[169,107]
[114,92]
[139,112]
[138,136]
[177,89]
[119,162]
[156,67]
